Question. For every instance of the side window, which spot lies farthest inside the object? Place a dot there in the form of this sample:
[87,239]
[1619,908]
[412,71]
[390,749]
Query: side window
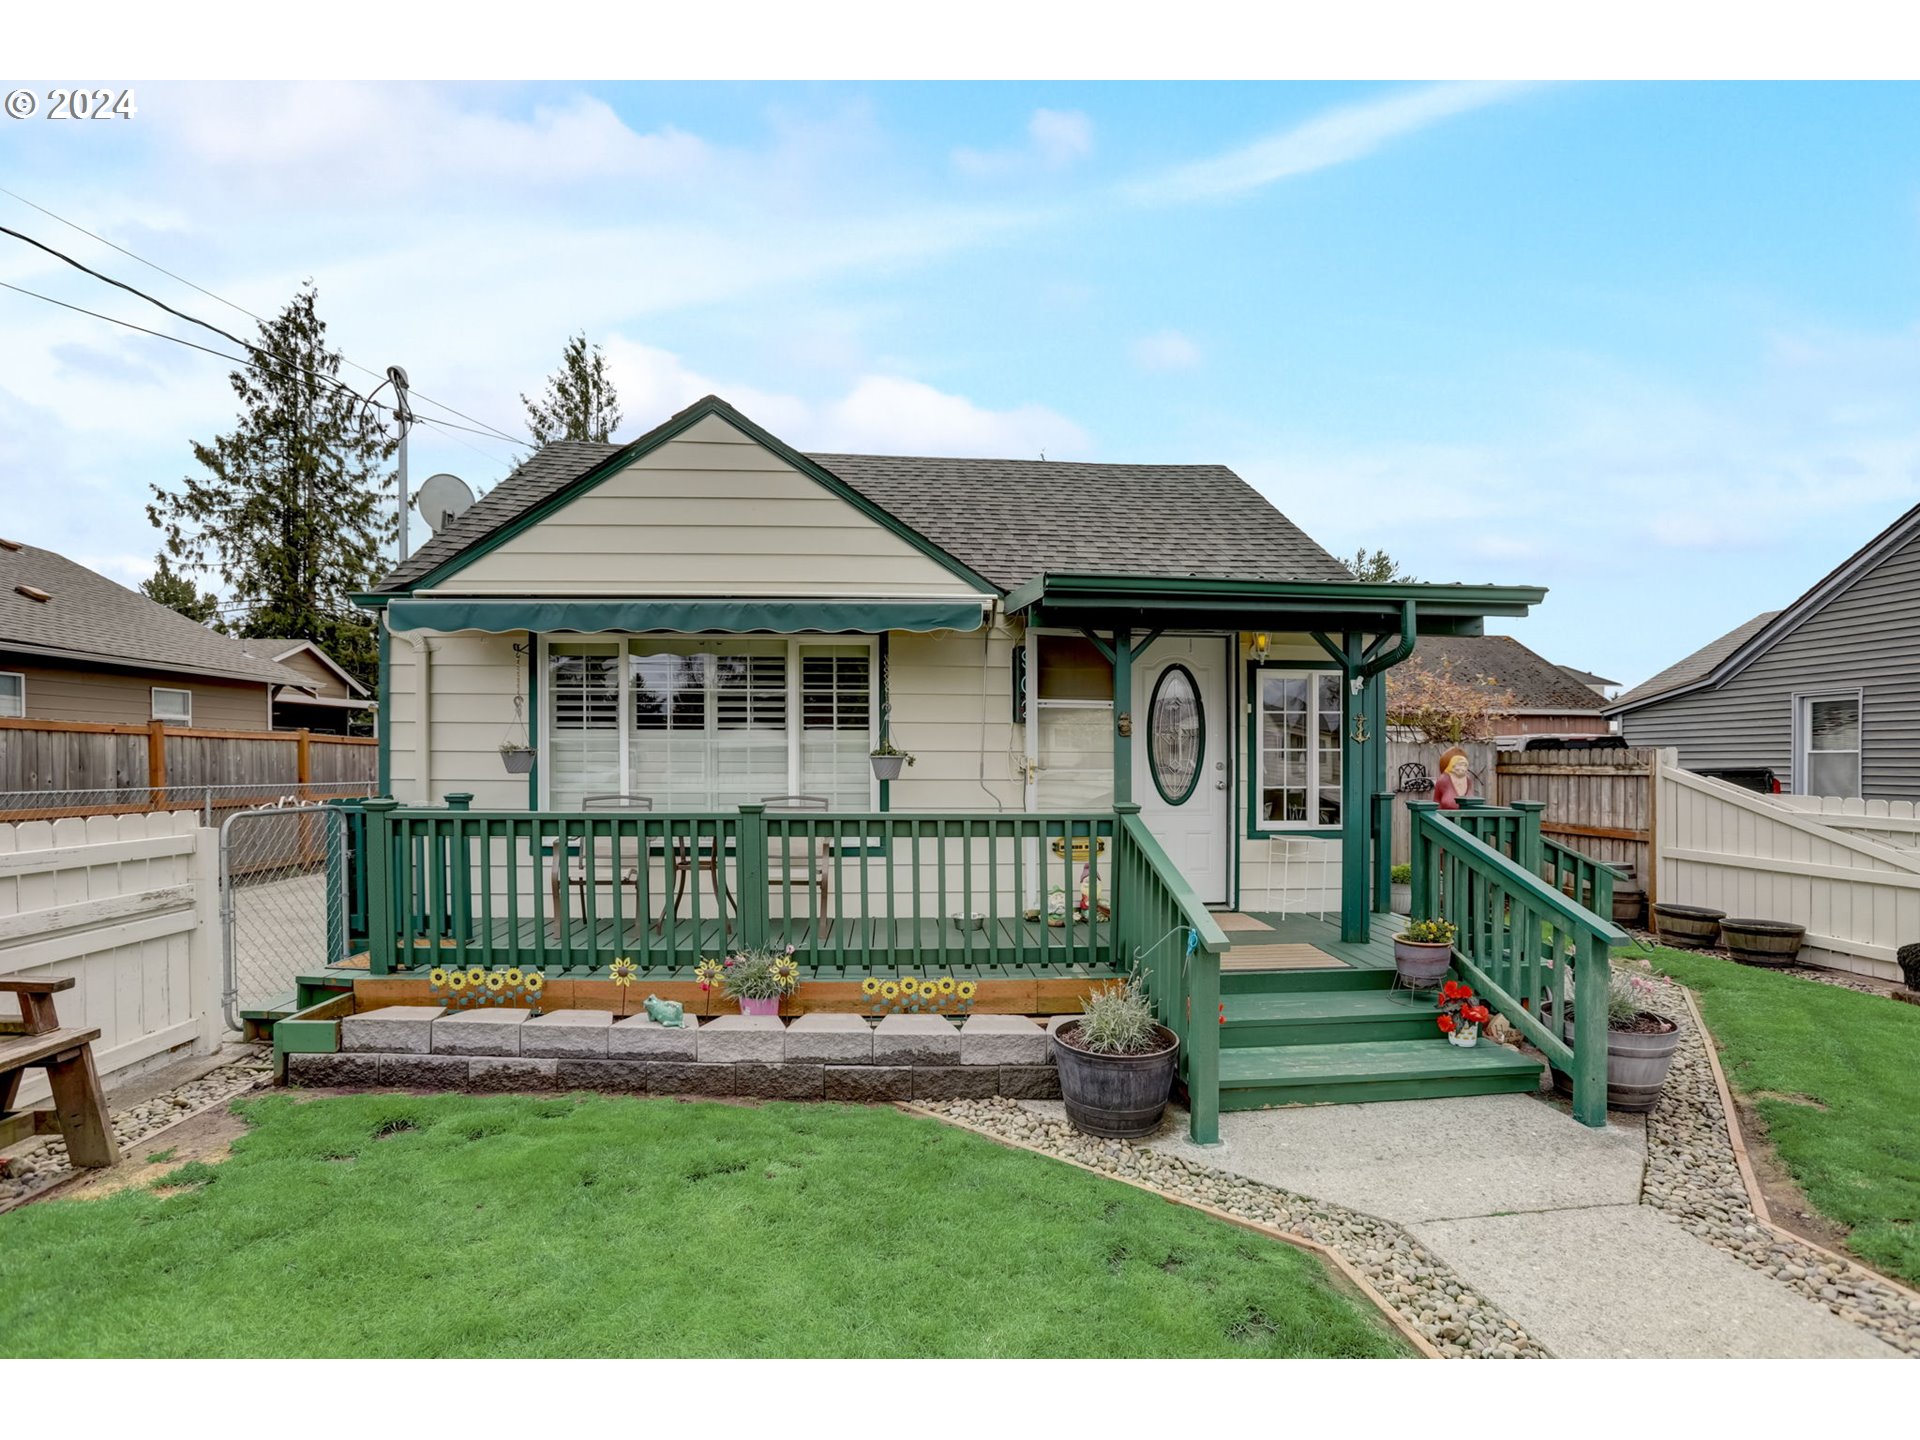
[175,707]
[13,694]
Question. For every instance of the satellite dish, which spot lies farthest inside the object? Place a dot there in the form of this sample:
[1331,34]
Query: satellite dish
[442,499]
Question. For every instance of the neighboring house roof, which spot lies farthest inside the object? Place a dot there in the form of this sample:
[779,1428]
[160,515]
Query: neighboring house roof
[1733,652]
[1587,677]
[279,647]
[1006,520]
[1502,663]
[86,616]
[1696,667]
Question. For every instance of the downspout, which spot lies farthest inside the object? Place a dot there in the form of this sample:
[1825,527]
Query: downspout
[422,716]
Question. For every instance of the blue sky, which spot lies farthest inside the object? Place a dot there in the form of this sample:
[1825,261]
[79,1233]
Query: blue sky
[1656,347]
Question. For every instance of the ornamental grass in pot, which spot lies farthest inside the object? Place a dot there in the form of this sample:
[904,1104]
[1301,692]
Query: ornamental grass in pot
[1640,1045]
[758,979]
[1423,952]
[1116,1064]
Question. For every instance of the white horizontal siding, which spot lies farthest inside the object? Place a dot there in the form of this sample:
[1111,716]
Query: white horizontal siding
[709,513]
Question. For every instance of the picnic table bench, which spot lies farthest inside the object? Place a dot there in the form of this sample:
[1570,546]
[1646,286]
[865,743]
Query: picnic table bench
[37,1039]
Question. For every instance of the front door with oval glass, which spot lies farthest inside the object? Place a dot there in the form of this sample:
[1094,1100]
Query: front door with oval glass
[1181,760]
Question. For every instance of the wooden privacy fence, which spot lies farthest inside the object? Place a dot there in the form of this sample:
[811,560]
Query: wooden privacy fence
[1600,802]
[50,768]
[1800,859]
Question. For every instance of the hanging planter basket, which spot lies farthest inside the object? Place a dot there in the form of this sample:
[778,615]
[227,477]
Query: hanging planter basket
[887,767]
[516,747]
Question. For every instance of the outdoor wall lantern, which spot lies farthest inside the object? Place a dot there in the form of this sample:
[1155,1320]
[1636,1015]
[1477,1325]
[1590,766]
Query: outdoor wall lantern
[1260,644]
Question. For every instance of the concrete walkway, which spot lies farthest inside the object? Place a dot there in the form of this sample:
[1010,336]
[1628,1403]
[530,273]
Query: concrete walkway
[1542,1216]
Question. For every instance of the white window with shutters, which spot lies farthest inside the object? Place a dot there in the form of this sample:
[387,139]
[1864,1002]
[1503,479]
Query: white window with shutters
[707,724]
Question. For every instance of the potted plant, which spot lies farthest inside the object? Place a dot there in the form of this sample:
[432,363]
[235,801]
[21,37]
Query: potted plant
[517,758]
[1462,1013]
[758,979]
[1116,1064]
[1640,1045]
[1401,890]
[887,759]
[1422,952]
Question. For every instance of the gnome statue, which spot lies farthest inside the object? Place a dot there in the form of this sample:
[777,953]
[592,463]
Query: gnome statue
[1455,781]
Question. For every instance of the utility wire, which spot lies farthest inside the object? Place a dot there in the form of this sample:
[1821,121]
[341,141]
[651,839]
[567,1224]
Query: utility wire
[240,360]
[74,225]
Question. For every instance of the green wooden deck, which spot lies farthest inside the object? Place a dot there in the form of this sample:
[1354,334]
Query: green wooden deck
[1373,954]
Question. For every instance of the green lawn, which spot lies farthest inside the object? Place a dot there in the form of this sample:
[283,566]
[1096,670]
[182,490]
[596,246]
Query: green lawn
[1858,1056]
[481,1226]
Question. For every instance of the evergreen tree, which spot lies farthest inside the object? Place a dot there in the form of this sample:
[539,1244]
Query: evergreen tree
[580,403]
[1378,567]
[178,592]
[293,512]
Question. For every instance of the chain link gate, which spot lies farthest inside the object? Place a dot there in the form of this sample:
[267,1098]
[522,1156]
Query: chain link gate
[283,901]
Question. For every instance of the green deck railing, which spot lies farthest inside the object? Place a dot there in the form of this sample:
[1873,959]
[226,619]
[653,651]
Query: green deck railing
[1164,934]
[1528,948]
[576,890]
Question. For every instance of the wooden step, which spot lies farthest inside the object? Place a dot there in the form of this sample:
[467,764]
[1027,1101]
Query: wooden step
[1327,1017]
[1272,982]
[1258,1077]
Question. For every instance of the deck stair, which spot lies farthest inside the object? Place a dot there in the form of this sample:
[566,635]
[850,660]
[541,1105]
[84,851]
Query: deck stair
[1344,1035]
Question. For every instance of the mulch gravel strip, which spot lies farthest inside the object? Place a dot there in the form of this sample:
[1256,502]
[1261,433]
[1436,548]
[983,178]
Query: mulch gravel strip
[1693,1179]
[43,1162]
[1422,1288]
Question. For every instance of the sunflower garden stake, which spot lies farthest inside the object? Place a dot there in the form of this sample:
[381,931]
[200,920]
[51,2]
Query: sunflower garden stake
[474,987]
[909,994]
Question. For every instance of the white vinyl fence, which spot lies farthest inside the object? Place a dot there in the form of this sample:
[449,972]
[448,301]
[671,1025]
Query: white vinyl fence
[128,906]
[1806,860]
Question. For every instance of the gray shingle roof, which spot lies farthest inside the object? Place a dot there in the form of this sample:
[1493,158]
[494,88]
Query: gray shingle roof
[1011,520]
[88,614]
[1697,666]
[1008,520]
[1501,662]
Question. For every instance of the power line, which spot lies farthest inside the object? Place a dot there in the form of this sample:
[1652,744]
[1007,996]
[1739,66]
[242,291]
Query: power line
[239,360]
[151,265]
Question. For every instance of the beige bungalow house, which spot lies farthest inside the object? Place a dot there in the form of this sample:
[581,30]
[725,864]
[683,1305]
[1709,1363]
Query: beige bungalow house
[1146,718]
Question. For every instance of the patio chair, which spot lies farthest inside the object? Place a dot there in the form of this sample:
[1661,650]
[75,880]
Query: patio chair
[615,862]
[797,860]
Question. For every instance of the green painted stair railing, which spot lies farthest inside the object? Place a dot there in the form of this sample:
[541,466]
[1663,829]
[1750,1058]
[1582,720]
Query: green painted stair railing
[1165,935]
[1528,948]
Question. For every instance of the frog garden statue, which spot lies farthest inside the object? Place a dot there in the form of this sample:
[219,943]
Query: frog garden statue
[666,1012]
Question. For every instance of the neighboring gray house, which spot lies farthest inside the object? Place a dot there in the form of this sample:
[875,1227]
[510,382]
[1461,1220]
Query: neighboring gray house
[1825,693]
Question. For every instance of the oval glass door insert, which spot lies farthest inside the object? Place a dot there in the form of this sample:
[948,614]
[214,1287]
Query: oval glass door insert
[1176,734]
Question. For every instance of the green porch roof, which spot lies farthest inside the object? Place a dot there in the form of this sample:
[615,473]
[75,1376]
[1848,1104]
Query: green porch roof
[726,616]
[1199,602]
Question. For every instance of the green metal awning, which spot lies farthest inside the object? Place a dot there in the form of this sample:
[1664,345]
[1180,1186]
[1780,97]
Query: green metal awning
[718,616]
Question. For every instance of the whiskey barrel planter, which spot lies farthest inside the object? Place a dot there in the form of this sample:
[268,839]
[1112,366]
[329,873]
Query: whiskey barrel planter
[1690,927]
[1762,942]
[1116,1097]
[1637,1063]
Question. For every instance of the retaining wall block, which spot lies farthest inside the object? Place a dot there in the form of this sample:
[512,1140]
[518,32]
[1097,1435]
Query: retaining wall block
[393,1029]
[915,1040]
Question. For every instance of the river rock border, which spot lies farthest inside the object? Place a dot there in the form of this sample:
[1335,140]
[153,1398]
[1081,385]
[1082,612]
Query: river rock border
[1424,1291]
[1694,1178]
[42,1163]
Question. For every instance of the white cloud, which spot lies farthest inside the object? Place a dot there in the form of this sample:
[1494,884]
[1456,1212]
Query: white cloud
[880,413]
[407,137]
[1334,137]
[1055,140]
[1166,350]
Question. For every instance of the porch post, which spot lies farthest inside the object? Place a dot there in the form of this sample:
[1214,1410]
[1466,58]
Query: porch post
[1356,920]
[377,860]
[1122,716]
